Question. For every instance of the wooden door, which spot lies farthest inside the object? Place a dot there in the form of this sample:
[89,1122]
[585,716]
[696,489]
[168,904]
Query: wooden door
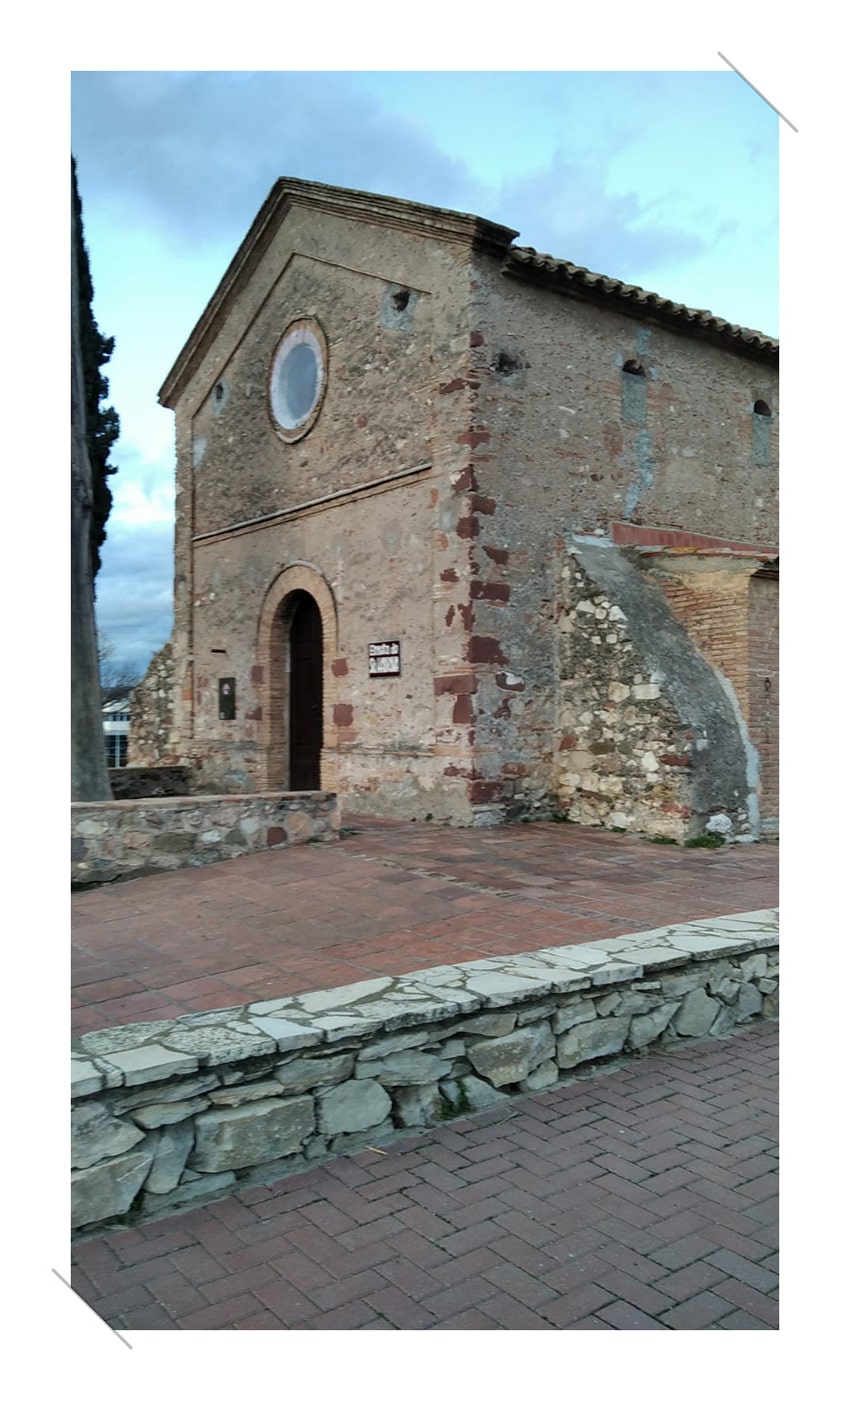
[305,695]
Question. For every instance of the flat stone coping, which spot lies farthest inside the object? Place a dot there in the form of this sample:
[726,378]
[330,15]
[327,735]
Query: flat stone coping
[202,800]
[145,1052]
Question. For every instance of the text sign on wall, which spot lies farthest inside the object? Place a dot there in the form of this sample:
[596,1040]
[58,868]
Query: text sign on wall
[385,659]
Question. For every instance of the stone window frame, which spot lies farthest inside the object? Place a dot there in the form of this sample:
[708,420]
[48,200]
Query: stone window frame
[300,430]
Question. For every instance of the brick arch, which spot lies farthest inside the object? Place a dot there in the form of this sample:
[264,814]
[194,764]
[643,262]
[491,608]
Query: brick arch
[273,657]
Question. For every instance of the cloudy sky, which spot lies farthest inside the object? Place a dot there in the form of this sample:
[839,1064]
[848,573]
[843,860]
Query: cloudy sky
[665,179]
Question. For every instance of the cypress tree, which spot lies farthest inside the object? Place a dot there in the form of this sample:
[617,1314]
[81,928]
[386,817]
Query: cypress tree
[102,424]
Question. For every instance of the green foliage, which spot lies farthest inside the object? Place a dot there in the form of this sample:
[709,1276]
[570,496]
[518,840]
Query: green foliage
[463,1105]
[664,841]
[708,839]
[102,423]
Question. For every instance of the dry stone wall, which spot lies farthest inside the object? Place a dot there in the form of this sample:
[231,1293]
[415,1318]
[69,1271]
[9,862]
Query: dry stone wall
[166,1113]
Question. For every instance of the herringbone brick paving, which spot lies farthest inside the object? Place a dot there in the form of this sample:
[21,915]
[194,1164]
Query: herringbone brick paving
[390,898]
[642,1197]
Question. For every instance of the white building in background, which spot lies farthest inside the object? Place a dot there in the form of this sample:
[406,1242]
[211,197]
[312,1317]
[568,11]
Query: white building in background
[116,728]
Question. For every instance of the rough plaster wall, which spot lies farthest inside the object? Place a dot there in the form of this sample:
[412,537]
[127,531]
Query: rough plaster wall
[395,557]
[243,469]
[724,765]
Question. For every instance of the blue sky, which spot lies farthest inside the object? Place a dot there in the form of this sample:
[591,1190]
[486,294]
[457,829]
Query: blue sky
[664,179]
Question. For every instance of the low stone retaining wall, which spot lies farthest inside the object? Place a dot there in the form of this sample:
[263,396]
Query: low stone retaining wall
[169,781]
[111,841]
[170,1112]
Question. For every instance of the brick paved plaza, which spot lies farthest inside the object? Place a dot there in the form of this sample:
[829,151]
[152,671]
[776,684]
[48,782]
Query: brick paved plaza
[641,1196]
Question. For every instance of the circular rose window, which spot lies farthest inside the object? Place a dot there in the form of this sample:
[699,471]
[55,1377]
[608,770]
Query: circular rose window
[298,379]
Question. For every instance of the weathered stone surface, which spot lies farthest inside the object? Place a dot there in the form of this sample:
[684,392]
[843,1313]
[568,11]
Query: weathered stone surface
[196,1188]
[577,1012]
[171,1152]
[349,1108]
[646,1028]
[95,1134]
[469,1090]
[147,1063]
[342,997]
[153,1116]
[527,1015]
[501,989]
[417,1105]
[363,1138]
[696,1014]
[403,1068]
[214,1045]
[386,1045]
[190,1087]
[678,984]
[754,966]
[545,1075]
[604,1037]
[749,1002]
[636,1004]
[251,1133]
[508,1059]
[488,1024]
[246,1093]
[123,1038]
[653,957]
[770,1005]
[702,946]
[85,1079]
[615,972]
[287,1035]
[108,1189]
[308,1073]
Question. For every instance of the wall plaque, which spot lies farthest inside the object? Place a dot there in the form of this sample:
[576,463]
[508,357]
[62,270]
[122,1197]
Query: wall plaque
[227,698]
[385,659]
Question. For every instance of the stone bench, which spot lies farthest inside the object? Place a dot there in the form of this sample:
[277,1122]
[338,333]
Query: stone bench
[172,1112]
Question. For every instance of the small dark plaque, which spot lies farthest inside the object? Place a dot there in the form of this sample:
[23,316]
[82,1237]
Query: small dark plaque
[227,698]
[385,659]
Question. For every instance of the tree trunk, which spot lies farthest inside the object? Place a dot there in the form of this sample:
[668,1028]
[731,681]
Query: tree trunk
[89,776]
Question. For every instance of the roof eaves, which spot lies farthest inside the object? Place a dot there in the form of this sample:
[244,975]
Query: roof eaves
[572,280]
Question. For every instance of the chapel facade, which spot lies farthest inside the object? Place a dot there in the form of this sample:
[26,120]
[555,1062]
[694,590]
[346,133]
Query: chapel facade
[468,532]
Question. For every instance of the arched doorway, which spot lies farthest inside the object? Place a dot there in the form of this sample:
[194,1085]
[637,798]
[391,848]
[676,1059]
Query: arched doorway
[305,691]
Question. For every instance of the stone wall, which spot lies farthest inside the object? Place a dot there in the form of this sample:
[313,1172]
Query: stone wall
[169,1112]
[169,781]
[151,713]
[111,841]
[652,737]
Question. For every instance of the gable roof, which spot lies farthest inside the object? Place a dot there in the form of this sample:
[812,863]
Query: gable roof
[495,240]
